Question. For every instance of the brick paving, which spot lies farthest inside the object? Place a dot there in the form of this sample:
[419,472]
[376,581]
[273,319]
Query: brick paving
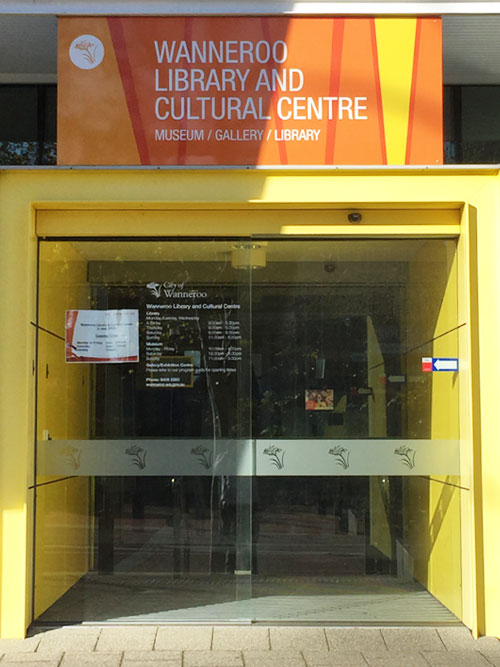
[250,646]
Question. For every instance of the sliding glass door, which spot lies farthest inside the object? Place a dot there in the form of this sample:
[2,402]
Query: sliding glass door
[245,430]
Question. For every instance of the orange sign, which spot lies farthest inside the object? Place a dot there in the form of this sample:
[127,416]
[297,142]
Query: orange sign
[249,91]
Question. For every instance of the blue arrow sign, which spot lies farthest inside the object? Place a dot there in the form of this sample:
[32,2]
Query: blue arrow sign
[444,364]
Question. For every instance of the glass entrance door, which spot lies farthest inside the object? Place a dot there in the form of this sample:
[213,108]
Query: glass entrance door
[242,430]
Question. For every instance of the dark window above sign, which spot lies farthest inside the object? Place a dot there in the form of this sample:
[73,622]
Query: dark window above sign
[472,124]
[28,124]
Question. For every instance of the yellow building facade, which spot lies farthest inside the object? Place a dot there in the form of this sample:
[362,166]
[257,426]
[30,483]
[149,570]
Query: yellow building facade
[450,520]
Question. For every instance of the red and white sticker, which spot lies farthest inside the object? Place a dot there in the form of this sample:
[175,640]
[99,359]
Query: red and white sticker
[102,336]
[427,364]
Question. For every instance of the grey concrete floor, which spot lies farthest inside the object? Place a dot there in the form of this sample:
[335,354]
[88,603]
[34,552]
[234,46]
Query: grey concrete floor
[250,646]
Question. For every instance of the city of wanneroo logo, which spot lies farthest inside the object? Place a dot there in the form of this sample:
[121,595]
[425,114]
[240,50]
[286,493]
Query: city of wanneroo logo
[86,51]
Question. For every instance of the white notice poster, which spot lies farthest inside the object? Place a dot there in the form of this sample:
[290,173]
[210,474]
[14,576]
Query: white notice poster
[102,336]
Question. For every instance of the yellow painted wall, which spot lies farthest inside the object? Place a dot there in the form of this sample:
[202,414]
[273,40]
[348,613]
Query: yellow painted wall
[17,308]
[24,191]
[486,459]
[62,505]
[432,520]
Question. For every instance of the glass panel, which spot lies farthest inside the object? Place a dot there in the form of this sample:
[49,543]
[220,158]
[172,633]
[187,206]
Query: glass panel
[143,495]
[357,456]
[28,124]
[48,98]
[286,447]
[480,124]
[471,124]
[18,124]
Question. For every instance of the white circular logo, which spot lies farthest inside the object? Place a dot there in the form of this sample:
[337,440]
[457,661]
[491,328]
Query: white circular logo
[86,51]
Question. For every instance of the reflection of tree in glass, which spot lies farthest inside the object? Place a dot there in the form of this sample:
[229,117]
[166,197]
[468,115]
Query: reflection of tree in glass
[180,335]
[27,152]
[272,408]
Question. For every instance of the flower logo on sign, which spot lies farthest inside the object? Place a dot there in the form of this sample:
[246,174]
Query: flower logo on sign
[341,455]
[86,52]
[155,289]
[276,456]
[137,456]
[407,455]
[72,455]
[205,457]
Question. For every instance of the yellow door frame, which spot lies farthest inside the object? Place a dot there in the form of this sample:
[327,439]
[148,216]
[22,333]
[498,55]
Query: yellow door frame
[432,203]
